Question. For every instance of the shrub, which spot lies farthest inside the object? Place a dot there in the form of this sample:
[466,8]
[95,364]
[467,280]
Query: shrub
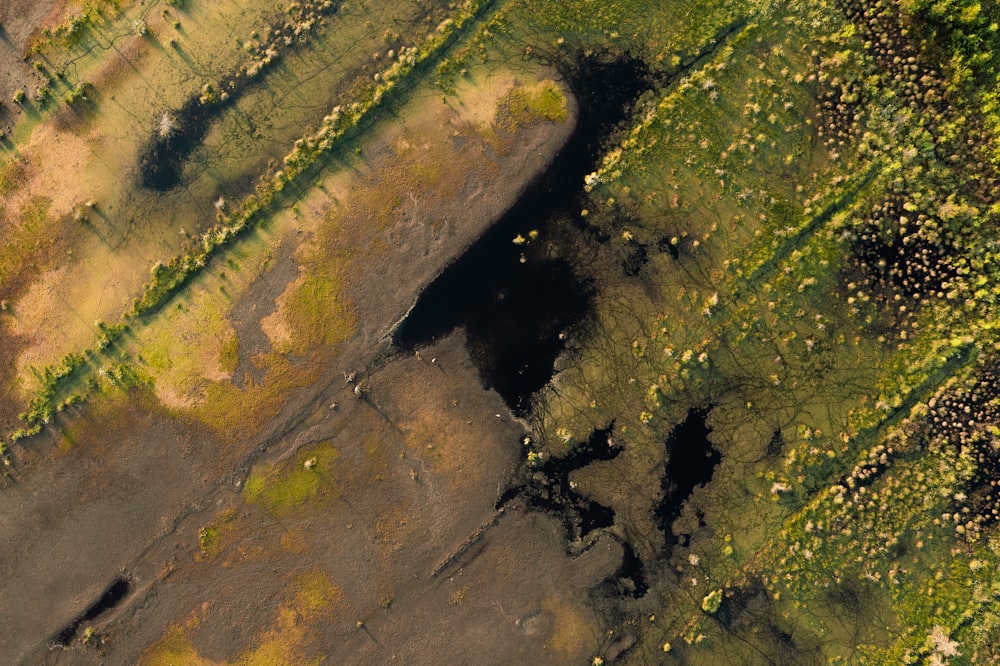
[76,93]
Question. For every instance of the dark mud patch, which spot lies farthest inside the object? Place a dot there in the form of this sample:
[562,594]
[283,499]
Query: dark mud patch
[775,445]
[744,606]
[546,487]
[111,597]
[637,257]
[520,301]
[691,461]
[666,244]
[178,134]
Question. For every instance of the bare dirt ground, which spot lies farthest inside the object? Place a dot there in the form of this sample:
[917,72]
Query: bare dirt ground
[70,527]
[406,532]
[415,562]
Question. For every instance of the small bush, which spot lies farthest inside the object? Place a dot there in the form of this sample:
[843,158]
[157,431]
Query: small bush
[76,93]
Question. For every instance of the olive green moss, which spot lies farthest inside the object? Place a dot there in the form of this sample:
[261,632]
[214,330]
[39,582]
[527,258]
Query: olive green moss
[282,487]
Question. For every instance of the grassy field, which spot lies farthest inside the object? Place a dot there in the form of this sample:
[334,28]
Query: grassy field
[139,86]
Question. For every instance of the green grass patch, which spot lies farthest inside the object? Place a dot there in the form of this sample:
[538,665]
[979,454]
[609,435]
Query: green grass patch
[525,105]
[212,539]
[11,175]
[317,314]
[229,354]
[282,487]
[23,252]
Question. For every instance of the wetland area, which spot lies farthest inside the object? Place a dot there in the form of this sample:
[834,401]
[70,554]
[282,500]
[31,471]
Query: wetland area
[499,332]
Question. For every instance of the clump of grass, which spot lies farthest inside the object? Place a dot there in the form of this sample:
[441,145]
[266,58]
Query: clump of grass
[76,93]
[212,538]
[207,539]
[42,94]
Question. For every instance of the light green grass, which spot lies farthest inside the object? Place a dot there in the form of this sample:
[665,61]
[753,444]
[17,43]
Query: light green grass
[282,487]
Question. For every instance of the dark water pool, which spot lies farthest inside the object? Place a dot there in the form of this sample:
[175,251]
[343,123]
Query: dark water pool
[519,303]
[108,600]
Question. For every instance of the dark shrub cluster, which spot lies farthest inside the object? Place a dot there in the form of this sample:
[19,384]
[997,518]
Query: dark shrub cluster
[969,420]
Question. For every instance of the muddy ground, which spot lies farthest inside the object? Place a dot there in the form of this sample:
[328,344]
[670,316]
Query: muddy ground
[406,531]
[103,526]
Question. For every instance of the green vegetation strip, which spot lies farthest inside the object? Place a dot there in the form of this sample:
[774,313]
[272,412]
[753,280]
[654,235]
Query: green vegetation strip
[341,125]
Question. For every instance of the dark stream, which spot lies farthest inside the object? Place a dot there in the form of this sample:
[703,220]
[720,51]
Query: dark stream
[516,310]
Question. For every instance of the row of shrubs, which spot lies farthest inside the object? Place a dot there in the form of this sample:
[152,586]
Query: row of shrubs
[336,126]
[168,277]
[42,407]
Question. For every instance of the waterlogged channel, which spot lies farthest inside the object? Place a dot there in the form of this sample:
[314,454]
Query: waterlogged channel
[520,295]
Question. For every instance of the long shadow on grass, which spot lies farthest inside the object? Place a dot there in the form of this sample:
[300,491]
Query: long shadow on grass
[181,131]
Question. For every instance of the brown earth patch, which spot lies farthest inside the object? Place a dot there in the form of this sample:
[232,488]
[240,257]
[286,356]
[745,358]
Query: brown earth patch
[72,518]
[403,524]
